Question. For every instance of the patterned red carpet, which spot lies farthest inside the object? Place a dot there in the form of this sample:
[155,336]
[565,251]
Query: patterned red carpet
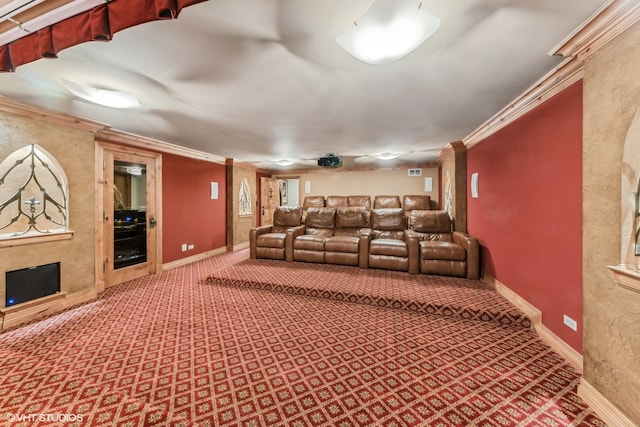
[468,299]
[170,350]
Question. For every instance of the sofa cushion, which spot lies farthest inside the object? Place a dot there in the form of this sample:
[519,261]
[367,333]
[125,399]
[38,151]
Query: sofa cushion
[389,247]
[413,202]
[352,217]
[321,218]
[309,242]
[342,244]
[287,216]
[442,251]
[271,240]
[382,202]
[313,201]
[336,201]
[430,221]
[390,219]
[364,201]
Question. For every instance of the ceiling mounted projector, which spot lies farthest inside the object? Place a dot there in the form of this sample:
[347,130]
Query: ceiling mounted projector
[330,161]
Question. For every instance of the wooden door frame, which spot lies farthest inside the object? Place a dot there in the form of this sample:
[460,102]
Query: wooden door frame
[100,212]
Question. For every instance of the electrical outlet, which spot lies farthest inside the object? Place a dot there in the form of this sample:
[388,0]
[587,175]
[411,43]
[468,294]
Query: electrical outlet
[570,322]
[184,247]
[191,247]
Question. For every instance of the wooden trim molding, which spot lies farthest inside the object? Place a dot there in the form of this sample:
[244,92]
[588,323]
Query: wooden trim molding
[606,410]
[41,307]
[137,141]
[193,258]
[241,246]
[32,239]
[529,309]
[628,278]
[570,355]
[602,27]
[11,106]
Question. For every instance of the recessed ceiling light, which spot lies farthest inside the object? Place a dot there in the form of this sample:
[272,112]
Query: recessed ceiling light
[107,98]
[389,30]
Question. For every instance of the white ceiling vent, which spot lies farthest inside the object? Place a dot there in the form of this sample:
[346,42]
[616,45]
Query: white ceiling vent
[414,172]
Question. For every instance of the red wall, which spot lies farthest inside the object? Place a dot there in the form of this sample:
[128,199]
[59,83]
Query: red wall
[528,217]
[188,213]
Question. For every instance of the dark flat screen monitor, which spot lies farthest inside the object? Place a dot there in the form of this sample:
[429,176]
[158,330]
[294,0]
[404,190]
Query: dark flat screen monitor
[31,283]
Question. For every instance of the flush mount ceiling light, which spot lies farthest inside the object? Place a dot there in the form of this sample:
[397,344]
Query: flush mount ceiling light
[389,30]
[386,156]
[107,98]
[285,162]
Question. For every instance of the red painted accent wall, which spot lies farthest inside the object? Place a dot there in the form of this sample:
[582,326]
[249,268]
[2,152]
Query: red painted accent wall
[188,213]
[528,217]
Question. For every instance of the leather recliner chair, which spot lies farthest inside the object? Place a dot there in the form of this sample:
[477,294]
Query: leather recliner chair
[309,245]
[349,245]
[388,246]
[276,241]
[311,202]
[438,249]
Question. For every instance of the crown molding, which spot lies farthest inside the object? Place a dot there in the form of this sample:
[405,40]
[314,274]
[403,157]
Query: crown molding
[120,137]
[612,19]
[11,106]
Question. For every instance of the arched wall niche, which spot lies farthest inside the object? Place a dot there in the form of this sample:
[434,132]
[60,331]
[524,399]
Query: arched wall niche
[34,194]
[630,202]
[627,272]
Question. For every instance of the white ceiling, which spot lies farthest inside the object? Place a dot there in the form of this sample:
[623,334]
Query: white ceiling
[263,80]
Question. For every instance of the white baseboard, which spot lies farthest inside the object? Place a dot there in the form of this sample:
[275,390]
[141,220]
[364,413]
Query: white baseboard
[606,410]
[570,355]
[188,260]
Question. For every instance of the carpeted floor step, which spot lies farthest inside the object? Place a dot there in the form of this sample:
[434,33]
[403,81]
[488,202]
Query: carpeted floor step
[438,295]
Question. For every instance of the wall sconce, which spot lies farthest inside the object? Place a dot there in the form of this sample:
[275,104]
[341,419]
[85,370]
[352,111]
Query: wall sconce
[389,30]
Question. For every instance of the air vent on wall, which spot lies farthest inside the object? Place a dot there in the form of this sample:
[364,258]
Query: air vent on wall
[414,172]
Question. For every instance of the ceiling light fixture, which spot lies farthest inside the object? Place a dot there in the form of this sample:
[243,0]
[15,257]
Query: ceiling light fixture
[134,170]
[107,98]
[388,30]
[285,162]
[386,156]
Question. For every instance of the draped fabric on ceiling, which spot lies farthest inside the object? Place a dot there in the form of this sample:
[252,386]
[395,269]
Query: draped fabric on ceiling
[97,24]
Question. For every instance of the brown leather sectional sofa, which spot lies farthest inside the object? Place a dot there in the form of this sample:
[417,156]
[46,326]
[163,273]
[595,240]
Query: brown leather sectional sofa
[345,230]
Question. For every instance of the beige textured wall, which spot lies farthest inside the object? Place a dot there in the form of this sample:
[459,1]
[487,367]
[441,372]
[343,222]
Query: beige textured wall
[74,150]
[611,313]
[242,224]
[454,171]
[372,183]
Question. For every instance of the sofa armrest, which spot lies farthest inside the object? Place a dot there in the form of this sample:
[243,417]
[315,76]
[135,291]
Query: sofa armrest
[292,233]
[253,237]
[471,246]
[413,245]
[363,248]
